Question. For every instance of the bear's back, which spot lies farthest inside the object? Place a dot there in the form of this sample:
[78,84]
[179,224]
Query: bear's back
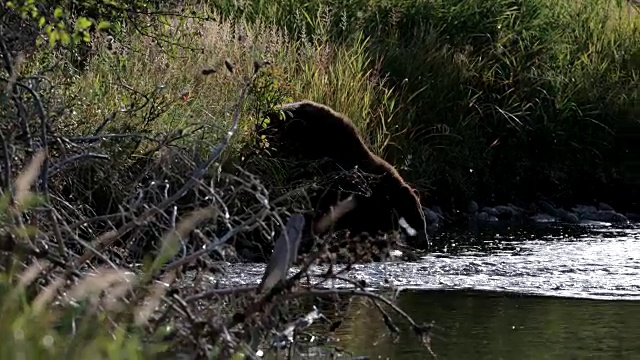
[315,131]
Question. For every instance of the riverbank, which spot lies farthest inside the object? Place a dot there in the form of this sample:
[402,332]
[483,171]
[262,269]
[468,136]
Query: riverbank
[528,111]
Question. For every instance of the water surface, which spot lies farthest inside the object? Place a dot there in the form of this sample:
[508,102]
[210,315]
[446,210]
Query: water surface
[491,325]
[558,293]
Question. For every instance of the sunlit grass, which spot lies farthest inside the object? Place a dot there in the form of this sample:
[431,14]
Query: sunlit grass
[497,96]
[475,98]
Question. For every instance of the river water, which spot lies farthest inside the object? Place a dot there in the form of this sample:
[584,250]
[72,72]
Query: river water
[552,293]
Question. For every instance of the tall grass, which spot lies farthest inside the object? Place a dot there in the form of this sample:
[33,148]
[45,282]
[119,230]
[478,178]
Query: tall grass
[496,100]
[499,99]
[157,88]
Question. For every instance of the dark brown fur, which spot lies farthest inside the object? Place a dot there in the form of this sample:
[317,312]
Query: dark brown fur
[314,131]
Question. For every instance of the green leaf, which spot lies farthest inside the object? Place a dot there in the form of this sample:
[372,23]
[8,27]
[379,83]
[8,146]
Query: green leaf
[31,201]
[57,13]
[27,232]
[41,21]
[103,25]
[65,38]
[83,23]
[4,202]
[53,36]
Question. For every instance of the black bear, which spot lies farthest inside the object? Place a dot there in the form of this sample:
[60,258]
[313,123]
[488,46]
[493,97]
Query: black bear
[314,131]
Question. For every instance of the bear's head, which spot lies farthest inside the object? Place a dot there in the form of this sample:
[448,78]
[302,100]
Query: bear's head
[411,219]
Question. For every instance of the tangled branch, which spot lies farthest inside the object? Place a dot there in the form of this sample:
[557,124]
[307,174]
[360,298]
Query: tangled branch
[77,255]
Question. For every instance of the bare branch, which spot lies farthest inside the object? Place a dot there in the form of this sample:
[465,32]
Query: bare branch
[197,174]
[55,168]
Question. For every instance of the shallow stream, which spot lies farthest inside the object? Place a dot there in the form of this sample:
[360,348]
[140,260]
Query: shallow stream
[553,293]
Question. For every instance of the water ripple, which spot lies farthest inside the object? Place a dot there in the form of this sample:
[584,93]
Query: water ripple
[600,265]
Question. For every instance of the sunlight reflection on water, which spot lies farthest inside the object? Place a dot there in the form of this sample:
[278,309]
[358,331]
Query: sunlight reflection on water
[600,265]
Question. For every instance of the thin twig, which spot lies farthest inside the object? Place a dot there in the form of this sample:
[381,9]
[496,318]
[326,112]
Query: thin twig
[195,178]
[221,292]
[57,167]
[12,87]
[354,292]
[7,166]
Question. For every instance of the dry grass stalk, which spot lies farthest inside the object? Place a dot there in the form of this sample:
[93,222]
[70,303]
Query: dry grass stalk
[47,295]
[31,273]
[286,247]
[184,227]
[98,281]
[27,178]
[103,239]
[335,213]
[114,300]
[170,242]
[141,316]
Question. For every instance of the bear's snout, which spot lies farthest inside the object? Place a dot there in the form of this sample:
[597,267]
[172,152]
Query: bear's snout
[417,235]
